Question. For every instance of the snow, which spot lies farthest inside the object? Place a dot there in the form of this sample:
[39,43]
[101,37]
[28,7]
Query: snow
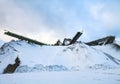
[74,64]
[1,43]
[39,68]
[111,49]
[70,77]
[7,56]
[77,56]
[117,40]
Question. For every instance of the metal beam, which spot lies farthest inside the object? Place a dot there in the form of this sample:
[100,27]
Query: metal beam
[76,37]
[24,38]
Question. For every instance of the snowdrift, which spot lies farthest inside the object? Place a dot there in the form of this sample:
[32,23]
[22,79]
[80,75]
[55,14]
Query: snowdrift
[58,58]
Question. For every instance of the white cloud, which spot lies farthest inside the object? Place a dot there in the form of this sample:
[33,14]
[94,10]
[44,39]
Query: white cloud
[95,10]
[49,21]
[107,16]
[110,19]
[24,22]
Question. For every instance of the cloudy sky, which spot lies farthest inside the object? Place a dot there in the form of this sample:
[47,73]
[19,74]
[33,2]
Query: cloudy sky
[50,20]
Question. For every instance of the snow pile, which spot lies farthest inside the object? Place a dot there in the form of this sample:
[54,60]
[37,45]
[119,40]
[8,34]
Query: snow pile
[40,67]
[55,58]
[86,56]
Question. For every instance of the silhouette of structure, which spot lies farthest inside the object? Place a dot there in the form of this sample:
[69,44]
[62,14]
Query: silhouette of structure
[105,40]
[24,38]
[72,41]
[75,37]
[67,41]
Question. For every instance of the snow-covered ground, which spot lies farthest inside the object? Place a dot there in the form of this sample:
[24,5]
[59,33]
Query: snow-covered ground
[69,77]
[73,64]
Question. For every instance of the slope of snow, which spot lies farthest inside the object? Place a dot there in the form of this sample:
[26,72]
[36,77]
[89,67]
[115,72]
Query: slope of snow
[1,43]
[111,49]
[117,40]
[74,57]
